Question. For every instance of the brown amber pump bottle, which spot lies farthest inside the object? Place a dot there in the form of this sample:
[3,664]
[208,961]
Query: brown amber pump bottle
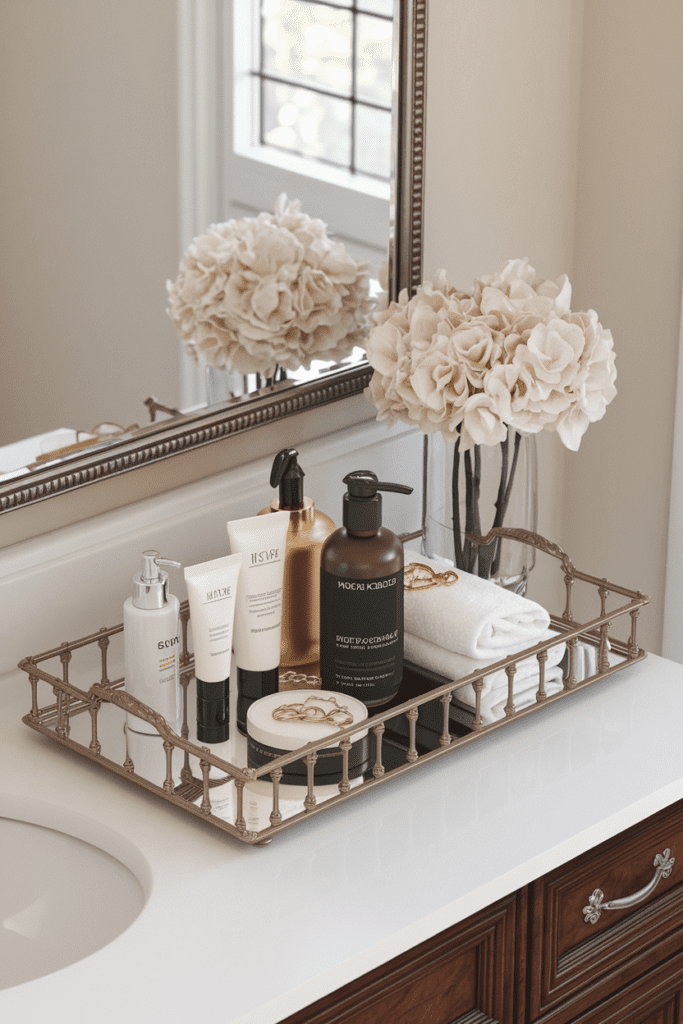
[361,597]
[308,528]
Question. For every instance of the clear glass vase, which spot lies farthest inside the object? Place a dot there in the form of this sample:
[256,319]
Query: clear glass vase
[222,385]
[495,485]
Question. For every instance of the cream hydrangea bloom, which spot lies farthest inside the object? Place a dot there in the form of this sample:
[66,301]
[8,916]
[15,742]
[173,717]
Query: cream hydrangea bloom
[266,291]
[511,353]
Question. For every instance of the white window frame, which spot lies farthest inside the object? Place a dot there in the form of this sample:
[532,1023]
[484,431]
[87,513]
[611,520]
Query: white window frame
[224,174]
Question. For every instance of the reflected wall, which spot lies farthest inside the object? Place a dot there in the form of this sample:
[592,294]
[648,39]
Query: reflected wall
[88,212]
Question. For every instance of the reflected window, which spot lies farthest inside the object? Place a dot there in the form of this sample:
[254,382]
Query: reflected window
[322,72]
[287,96]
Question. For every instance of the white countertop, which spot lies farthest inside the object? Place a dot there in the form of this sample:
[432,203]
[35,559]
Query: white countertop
[249,935]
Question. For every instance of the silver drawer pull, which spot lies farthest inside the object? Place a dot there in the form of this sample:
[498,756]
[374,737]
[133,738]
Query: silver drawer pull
[663,867]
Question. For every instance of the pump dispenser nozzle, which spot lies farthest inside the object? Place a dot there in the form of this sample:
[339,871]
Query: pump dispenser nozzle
[362,506]
[150,587]
[288,475]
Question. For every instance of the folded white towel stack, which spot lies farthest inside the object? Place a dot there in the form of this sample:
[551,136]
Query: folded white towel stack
[494,693]
[525,695]
[585,661]
[473,617]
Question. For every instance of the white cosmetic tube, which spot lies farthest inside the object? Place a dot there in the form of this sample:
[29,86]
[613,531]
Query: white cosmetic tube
[212,590]
[258,616]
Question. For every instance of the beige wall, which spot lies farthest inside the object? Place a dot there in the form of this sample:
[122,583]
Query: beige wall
[628,265]
[554,133]
[88,211]
[502,105]
[503,120]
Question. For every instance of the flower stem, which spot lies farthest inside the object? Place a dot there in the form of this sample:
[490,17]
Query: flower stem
[489,556]
[476,519]
[504,447]
[455,502]
[466,544]
[487,551]
[508,489]
[468,556]
[472,487]
[503,502]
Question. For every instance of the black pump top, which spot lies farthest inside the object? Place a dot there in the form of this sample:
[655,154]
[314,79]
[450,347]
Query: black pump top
[362,507]
[288,475]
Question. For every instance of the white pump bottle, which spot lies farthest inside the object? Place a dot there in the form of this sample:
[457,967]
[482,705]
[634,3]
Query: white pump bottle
[151,628]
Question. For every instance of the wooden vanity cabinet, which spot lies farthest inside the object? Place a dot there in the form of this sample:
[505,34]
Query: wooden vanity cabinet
[533,958]
[575,964]
[464,975]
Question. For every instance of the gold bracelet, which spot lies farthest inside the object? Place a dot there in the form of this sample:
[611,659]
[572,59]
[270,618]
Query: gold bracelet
[419,576]
[310,712]
[293,680]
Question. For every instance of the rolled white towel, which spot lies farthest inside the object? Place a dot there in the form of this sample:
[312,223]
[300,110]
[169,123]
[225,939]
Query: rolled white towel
[494,692]
[473,617]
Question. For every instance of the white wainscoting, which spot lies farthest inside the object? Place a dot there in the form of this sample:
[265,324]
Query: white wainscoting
[68,583]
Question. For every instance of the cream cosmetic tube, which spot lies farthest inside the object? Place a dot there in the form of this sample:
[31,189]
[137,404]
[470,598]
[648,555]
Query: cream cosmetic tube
[258,616]
[212,590]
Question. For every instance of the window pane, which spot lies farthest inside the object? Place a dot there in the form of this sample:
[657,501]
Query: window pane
[306,122]
[373,74]
[373,141]
[308,42]
[377,7]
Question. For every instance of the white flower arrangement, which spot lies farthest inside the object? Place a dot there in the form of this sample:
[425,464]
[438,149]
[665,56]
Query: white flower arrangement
[272,291]
[510,353]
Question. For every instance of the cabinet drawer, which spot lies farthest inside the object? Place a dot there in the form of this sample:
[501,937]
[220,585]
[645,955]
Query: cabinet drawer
[653,999]
[581,951]
[464,975]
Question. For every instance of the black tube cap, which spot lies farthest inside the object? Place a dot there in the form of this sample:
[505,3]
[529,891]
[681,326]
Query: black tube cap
[243,705]
[257,684]
[213,733]
[213,721]
[213,691]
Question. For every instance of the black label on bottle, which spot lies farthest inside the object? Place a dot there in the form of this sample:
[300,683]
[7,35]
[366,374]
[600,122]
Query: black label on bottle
[361,635]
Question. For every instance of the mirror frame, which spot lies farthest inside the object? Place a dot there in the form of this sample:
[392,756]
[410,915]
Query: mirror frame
[183,433]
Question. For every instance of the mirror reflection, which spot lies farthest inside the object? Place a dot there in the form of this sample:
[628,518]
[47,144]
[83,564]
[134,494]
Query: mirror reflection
[94,190]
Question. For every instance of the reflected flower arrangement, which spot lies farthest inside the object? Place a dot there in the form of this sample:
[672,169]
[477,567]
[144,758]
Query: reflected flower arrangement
[257,294]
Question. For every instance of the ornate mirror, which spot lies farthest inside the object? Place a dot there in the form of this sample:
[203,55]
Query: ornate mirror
[172,434]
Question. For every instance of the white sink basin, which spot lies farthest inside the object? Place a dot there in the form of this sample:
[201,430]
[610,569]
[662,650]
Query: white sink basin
[60,900]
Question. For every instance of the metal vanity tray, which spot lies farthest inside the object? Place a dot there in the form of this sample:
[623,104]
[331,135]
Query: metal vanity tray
[411,731]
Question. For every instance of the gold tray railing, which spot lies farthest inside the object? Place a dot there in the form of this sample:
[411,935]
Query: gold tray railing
[193,794]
